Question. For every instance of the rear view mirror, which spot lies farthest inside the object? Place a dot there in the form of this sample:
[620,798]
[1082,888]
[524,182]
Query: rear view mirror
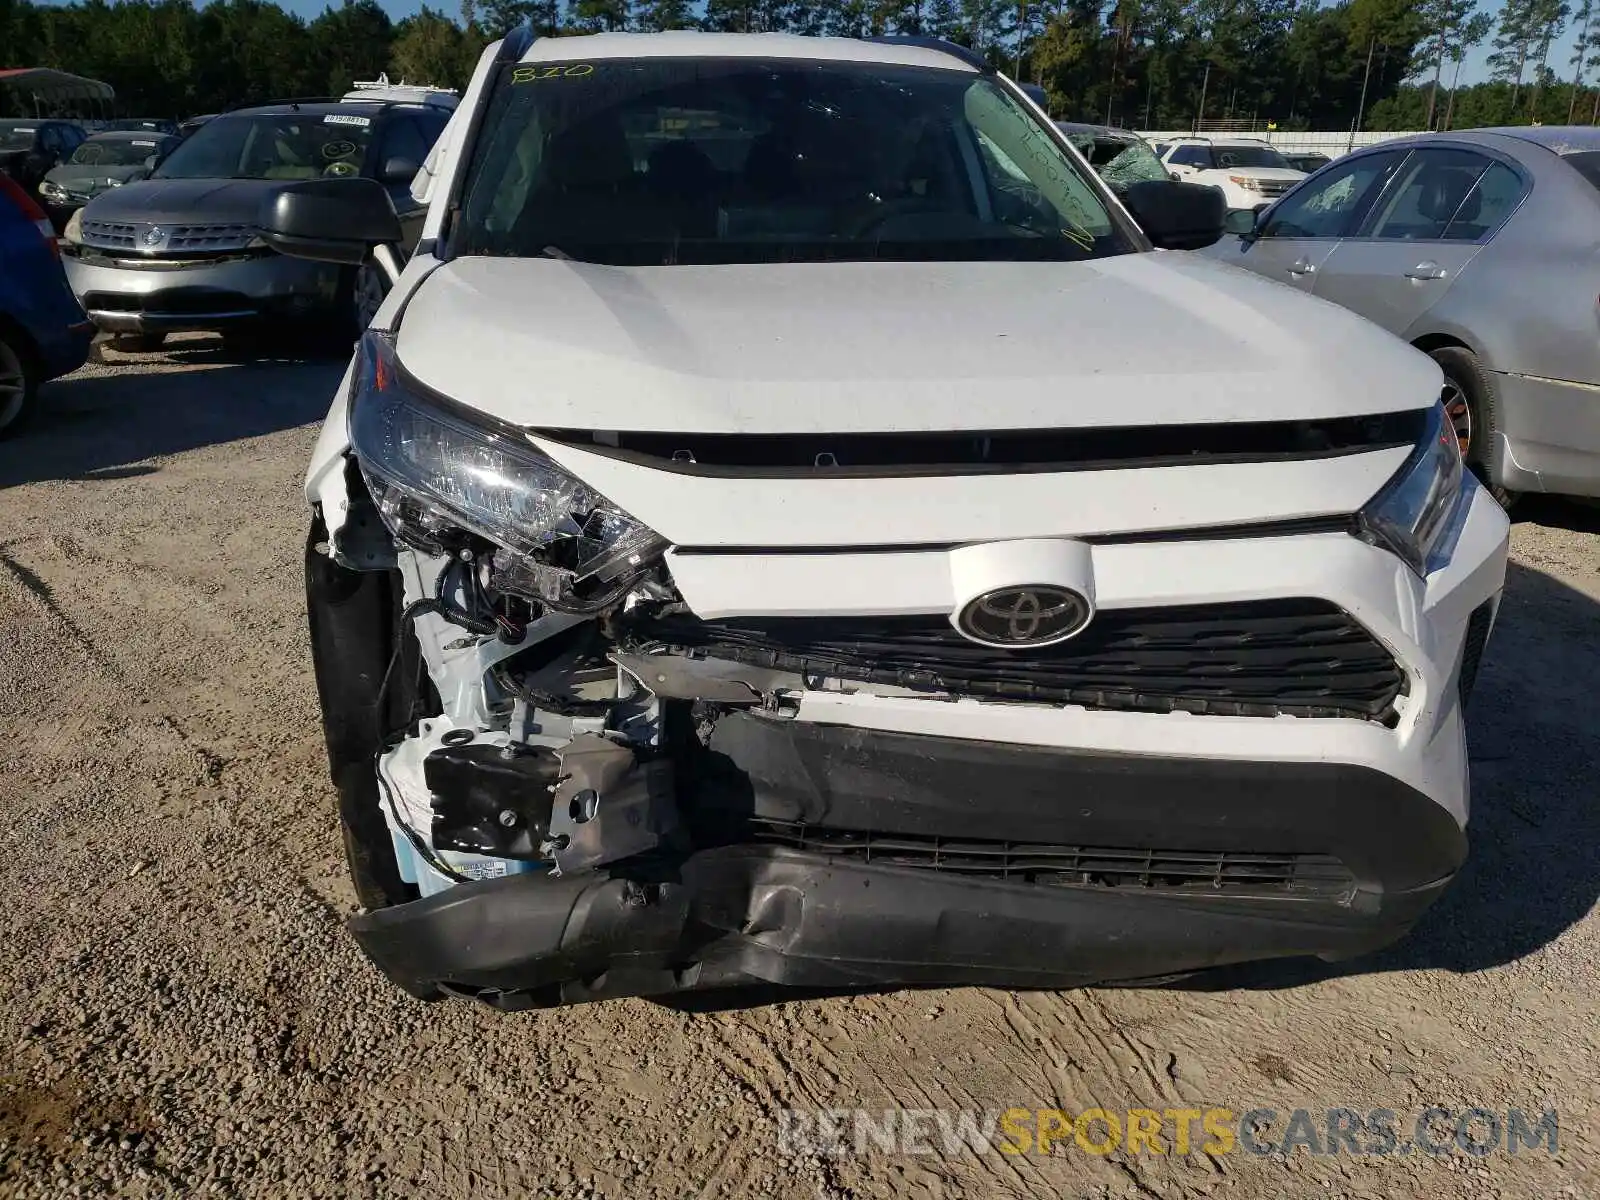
[329,220]
[1177,216]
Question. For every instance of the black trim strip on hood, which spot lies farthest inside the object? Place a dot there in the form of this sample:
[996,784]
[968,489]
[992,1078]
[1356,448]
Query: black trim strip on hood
[1006,451]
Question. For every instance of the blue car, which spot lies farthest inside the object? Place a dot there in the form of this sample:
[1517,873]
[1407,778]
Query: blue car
[43,330]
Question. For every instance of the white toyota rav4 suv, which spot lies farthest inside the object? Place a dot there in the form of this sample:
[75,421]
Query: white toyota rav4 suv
[786,526]
[1248,173]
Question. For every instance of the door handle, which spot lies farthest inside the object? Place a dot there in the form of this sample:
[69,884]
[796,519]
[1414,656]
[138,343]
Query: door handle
[1426,270]
[1302,266]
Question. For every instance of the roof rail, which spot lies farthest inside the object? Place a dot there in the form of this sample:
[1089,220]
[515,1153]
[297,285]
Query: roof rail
[965,53]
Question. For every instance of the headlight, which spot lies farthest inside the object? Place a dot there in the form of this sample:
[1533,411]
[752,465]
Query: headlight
[52,191]
[435,468]
[1246,182]
[1412,513]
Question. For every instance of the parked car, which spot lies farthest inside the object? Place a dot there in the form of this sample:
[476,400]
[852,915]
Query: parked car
[43,332]
[1308,163]
[31,149]
[1477,248]
[1247,172]
[178,251]
[1118,157]
[101,162]
[802,571]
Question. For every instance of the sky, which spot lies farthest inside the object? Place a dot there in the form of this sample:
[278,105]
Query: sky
[1474,70]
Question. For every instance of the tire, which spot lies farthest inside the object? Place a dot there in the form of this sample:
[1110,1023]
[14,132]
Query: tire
[138,343]
[367,688]
[20,377]
[1472,406]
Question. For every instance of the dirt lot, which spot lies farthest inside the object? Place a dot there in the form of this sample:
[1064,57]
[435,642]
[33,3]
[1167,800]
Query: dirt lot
[181,1012]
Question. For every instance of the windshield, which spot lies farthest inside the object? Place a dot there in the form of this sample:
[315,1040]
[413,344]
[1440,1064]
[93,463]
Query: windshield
[1119,162]
[14,136]
[289,146]
[1247,156]
[115,152]
[659,161]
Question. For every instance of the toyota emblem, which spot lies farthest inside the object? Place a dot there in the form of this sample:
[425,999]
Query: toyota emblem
[1015,618]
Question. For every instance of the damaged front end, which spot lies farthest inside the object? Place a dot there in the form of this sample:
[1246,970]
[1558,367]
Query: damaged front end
[559,784]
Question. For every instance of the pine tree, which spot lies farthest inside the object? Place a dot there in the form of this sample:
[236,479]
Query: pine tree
[1550,18]
[1513,43]
[1579,61]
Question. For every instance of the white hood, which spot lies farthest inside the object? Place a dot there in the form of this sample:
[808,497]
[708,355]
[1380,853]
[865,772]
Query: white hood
[880,347]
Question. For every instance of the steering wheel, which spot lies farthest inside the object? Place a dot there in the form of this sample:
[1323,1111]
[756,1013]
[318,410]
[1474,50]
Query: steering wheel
[876,214]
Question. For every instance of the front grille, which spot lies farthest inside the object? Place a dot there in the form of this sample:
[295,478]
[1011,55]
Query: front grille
[173,302]
[116,235]
[209,237]
[1274,187]
[1058,865]
[1302,657]
[179,239]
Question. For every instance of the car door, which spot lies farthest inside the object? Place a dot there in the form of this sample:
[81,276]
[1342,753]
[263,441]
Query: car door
[1415,241]
[1295,236]
[46,153]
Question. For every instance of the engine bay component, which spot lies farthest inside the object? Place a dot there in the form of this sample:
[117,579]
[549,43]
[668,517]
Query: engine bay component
[488,802]
[609,804]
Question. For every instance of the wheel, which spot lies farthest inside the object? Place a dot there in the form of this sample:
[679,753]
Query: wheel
[138,343]
[1470,403]
[368,290]
[19,381]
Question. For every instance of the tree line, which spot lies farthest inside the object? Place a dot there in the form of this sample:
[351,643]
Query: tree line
[1154,64]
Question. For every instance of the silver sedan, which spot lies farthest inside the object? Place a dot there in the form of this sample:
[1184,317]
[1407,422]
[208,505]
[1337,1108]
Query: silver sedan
[1481,248]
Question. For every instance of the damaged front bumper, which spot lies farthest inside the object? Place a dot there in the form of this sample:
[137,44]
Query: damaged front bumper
[830,857]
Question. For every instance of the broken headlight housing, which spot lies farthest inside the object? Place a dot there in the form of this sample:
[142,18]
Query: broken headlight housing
[1411,515]
[438,471]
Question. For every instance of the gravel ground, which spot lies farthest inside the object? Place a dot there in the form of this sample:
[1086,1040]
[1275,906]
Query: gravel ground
[181,1012]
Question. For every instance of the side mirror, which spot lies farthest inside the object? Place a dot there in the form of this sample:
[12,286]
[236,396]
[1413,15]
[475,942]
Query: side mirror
[1241,221]
[329,220]
[1177,216]
[399,170]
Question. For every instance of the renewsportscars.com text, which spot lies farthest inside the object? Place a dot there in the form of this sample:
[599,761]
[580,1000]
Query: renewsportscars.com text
[843,1132]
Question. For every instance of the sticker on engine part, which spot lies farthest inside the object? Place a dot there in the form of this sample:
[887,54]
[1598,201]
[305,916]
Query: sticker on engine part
[485,870]
[346,119]
[534,73]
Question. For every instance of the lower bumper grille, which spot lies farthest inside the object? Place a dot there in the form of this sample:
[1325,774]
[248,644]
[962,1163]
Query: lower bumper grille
[1317,875]
[1301,657]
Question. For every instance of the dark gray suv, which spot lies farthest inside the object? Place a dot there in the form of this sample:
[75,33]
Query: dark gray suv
[179,251]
